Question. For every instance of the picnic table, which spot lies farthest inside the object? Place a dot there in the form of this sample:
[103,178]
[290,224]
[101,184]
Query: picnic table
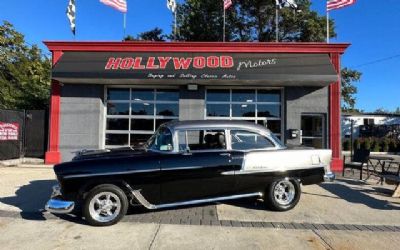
[385,163]
[380,162]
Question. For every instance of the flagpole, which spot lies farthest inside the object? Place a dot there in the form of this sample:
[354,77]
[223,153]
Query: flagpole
[223,35]
[124,25]
[276,24]
[327,26]
[175,24]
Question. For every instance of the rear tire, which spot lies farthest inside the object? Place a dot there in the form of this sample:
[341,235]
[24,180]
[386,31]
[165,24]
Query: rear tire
[282,194]
[105,205]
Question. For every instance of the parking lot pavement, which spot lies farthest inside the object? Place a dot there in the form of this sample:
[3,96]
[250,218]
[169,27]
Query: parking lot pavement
[333,215]
[343,202]
[58,234]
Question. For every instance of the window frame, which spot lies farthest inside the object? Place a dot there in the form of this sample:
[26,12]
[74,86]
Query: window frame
[154,117]
[255,118]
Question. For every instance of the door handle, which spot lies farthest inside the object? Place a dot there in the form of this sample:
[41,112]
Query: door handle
[225,154]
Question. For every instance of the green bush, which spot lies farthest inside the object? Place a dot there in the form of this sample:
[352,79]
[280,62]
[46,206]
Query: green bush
[357,144]
[393,145]
[385,145]
[367,143]
[375,145]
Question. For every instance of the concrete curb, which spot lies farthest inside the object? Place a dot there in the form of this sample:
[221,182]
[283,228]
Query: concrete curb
[16,162]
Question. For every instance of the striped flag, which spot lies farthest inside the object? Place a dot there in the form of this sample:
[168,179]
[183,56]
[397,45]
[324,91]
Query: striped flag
[120,5]
[227,4]
[71,15]
[337,4]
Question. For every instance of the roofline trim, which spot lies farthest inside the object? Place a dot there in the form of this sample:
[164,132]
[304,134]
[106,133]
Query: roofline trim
[232,47]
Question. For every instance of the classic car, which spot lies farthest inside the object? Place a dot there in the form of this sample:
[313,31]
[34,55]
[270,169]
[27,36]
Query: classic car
[186,163]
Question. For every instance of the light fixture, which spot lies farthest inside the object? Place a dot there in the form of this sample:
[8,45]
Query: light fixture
[192,87]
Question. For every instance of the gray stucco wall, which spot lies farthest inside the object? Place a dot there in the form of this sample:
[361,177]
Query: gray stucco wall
[81,118]
[191,104]
[300,100]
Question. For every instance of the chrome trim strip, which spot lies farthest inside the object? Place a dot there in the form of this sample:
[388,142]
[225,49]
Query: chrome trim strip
[181,168]
[59,206]
[129,172]
[110,173]
[148,205]
[259,171]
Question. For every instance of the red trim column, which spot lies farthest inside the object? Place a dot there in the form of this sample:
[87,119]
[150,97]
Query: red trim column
[334,117]
[53,155]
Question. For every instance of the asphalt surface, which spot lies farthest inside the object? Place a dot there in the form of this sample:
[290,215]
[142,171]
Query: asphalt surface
[329,216]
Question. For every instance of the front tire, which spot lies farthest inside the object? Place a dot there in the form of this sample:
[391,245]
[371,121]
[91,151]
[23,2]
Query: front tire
[105,205]
[282,194]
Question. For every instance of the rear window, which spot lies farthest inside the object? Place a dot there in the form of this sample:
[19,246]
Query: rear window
[246,140]
[201,140]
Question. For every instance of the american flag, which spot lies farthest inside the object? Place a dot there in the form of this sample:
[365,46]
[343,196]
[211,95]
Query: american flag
[227,4]
[116,4]
[337,4]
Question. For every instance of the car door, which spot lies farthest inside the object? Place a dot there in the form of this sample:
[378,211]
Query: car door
[202,169]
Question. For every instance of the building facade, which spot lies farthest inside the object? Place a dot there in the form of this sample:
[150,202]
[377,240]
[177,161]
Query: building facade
[113,94]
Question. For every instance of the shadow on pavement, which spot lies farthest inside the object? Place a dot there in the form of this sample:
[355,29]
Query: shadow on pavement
[31,199]
[359,195]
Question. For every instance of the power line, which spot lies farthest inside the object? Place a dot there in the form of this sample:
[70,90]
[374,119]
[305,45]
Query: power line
[377,61]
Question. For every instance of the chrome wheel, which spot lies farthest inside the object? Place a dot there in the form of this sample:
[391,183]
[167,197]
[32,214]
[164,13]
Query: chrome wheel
[105,206]
[284,192]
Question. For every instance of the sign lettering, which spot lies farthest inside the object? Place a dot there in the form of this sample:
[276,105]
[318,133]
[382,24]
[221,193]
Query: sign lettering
[9,131]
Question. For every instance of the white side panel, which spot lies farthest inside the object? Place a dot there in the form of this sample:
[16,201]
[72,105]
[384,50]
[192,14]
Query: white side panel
[283,160]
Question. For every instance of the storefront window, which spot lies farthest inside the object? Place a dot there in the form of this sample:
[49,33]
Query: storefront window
[261,106]
[133,115]
[218,110]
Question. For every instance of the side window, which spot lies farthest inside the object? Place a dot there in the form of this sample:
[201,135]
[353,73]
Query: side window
[201,140]
[246,140]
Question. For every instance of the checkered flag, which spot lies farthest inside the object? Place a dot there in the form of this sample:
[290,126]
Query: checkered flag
[286,3]
[171,5]
[71,15]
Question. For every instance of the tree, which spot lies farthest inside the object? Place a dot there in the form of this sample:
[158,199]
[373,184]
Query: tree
[349,76]
[254,20]
[155,34]
[24,72]
[250,20]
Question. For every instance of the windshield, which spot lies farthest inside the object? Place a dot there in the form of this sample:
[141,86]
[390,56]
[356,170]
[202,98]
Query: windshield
[161,140]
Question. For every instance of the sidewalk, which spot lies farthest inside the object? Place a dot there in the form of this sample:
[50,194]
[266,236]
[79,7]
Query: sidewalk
[346,214]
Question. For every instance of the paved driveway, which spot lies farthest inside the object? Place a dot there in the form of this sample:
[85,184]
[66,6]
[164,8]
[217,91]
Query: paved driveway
[332,215]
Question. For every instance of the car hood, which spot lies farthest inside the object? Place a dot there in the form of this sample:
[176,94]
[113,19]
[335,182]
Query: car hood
[107,153]
[106,161]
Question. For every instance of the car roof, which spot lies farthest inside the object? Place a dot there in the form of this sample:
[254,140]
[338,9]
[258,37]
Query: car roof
[193,124]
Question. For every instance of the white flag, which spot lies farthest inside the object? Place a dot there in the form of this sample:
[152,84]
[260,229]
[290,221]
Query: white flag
[171,5]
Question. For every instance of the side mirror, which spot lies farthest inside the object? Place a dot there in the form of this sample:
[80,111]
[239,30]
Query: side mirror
[186,151]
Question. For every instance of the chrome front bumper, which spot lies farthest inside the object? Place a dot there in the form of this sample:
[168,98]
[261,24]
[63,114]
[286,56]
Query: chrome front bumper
[57,205]
[329,177]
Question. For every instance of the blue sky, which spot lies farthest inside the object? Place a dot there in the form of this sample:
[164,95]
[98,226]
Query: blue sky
[372,27]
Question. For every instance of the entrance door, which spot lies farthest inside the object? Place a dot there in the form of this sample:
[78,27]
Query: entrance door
[313,130]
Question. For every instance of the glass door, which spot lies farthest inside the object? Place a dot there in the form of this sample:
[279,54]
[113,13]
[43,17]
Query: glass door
[313,130]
